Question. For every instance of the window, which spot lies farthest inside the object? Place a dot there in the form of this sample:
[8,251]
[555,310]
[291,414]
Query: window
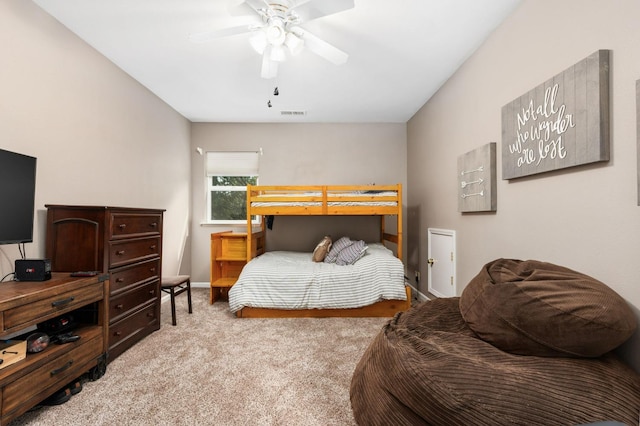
[228,174]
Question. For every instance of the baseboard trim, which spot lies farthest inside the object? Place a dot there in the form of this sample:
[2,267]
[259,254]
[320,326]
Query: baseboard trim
[202,284]
[417,295]
[421,297]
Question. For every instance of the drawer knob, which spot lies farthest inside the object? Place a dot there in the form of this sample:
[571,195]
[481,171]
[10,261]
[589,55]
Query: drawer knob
[153,224]
[119,306]
[61,369]
[120,252]
[62,302]
[152,269]
[150,315]
[153,247]
[122,225]
[117,333]
[119,280]
[152,292]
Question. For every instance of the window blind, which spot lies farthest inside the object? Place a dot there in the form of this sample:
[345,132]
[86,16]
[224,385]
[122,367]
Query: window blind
[232,163]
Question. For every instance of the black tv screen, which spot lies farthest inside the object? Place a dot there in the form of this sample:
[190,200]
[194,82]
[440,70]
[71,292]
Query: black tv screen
[17,197]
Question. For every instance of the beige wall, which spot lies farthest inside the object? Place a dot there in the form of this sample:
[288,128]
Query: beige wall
[300,154]
[584,218]
[100,137]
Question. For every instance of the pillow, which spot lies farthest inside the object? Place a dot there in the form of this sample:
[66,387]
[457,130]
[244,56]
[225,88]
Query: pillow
[537,308]
[336,248]
[322,249]
[350,254]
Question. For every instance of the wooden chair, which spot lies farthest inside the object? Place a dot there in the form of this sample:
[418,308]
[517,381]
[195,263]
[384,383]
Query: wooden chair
[174,286]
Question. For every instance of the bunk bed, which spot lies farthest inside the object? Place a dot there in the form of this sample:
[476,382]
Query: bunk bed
[384,201]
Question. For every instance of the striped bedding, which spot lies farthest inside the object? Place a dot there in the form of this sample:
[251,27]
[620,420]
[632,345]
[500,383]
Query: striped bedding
[291,280]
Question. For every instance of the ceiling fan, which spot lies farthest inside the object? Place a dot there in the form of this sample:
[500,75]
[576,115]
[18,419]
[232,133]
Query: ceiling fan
[276,31]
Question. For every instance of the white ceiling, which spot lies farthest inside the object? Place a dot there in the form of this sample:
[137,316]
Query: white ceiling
[400,53]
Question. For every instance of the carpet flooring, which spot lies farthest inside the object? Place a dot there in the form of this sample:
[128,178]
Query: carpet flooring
[215,369]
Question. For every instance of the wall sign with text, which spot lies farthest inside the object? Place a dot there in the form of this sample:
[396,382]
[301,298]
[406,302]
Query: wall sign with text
[563,122]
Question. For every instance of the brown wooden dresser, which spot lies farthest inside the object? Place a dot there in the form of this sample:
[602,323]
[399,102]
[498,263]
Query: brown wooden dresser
[24,305]
[126,243]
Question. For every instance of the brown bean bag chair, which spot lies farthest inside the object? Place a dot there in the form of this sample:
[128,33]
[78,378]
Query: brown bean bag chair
[530,307]
[428,367]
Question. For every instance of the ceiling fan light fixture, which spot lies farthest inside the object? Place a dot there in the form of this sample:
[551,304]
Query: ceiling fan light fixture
[294,43]
[278,54]
[269,67]
[276,33]
[258,41]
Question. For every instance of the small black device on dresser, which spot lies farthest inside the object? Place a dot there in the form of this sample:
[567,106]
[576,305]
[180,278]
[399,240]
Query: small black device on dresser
[33,269]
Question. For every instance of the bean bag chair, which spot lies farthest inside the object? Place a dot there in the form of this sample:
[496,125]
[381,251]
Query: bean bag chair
[538,308]
[428,366]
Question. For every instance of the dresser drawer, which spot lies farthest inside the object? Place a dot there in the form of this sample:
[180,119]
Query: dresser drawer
[126,225]
[125,302]
[131,325]
[52,306]
[133,275]
[128,251]
[53,374]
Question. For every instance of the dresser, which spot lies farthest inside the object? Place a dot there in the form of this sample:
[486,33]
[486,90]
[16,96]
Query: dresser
[25,304]
[127,244]
[228,257]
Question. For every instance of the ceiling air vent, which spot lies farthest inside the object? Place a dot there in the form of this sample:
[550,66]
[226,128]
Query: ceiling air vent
[295,113]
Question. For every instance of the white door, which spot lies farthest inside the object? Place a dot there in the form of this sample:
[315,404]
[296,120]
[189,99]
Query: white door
[441,262]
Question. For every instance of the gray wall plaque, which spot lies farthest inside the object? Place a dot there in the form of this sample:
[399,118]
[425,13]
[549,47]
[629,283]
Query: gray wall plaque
[477,184]
[564,122]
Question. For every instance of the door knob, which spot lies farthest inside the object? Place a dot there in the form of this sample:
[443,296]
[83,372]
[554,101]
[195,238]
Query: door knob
[431,261]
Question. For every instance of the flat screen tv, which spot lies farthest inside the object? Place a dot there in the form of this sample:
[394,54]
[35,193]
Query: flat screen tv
[17,197]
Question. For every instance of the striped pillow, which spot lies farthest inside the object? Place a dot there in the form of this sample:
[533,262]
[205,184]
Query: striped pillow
[336,248]
[349,255]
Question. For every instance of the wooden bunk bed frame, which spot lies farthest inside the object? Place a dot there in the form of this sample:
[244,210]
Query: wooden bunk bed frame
[328,200]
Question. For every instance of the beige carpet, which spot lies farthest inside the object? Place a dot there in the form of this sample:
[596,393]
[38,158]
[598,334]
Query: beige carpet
[215,369]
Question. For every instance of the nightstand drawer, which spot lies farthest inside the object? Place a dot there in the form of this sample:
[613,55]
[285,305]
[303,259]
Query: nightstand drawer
[126,225]
[50,307]
[128,251]
[130,276]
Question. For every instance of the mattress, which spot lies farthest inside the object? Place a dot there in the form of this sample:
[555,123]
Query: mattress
[291,280]
[367,199]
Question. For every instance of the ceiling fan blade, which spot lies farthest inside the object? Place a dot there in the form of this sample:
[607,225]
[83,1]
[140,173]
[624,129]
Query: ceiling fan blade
[243,7]
[313,9]
[216,34]
[321,47]
[269,67]
[239,8]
